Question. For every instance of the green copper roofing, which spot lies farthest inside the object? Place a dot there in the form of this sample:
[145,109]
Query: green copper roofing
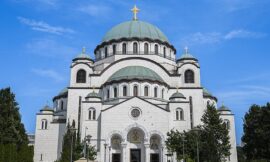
[177,95]
[63,91]
[46,108]
[138,29]
[187,56]
[206,92]
[224,108]
[83,56]
[135,72]
[93,95]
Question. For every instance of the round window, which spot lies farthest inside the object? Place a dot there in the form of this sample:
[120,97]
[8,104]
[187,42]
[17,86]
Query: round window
[135,113]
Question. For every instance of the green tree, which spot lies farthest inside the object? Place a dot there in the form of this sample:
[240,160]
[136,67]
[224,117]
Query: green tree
[212,137]
[13,139]
[257,133]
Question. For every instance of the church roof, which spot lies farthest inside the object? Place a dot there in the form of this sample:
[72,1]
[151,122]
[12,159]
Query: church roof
[177,95]
[135,72]
[46,108]
[93,95]
[83,56]
[135,29]
[207,94]
[224,108]
[187,56]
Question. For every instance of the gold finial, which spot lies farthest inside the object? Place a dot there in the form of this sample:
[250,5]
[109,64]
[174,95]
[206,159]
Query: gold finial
[83,50]
[135,10]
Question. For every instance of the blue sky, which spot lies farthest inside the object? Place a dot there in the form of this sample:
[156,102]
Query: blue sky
[39,38]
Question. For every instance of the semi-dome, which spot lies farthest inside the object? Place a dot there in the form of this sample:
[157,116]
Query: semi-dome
[135,29]
[177,95]
[135,72]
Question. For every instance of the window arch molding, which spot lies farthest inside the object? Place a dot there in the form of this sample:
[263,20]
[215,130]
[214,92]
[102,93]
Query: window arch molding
[146,90]
[124,48]
[135,47]
[135,88]
[92,113]
[189,76]
[146,48]
[124,90]
[44,124]
[81,76]
[114,49]
[156,49]
[115,92]
[179,114]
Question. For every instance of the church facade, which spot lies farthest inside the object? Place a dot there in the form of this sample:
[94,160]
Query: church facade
[128,98]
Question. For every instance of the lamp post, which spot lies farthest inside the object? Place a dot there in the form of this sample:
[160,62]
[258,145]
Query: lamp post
[72,131]
[198,153]
[87,139]
[105,147]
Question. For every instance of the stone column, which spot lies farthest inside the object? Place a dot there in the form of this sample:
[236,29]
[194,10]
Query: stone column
[147,152]
[124,152]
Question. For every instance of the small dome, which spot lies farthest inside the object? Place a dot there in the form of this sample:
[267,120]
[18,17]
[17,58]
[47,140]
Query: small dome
[93,95]
[82,56]
[63,91]
[224,108]
[177,95]
[46,108]
[187,56]
[135,29]
[135,72]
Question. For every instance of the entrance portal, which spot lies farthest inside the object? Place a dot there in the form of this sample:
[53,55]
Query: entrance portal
[154,158]
[135,155]
[116,157]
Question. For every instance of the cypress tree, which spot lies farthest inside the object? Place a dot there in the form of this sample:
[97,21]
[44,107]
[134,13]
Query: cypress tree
[13,139]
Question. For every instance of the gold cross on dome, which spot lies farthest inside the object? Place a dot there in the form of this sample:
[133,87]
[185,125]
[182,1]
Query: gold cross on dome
[186,50]
[135,11]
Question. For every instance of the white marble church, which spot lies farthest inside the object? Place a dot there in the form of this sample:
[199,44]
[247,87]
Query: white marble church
[128,98]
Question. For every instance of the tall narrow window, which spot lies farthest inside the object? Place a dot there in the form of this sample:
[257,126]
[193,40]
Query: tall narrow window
[108,94]
[189,76]
[81,76]
[115,92]
[227,123]
[92,114]
[135,91]
[106,52]
[155,92]
[41,157]
[162,93]
[62,105]
[146,48]
[164,51]
[179,114]
[124,48]
[114,49]
[156,49]
[125,91]
[146,91]
[135,48]
[44,124]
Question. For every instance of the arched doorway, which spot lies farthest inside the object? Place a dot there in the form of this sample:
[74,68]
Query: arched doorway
[135,139]
[116,150]
[155,148]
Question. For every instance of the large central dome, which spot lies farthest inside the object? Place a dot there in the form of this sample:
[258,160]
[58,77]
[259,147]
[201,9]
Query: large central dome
[135,29]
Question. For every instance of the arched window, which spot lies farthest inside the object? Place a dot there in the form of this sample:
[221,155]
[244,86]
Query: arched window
[179,114]
[227,123]
[81,76]
[155,92]
[44,124]
[92,114]
[106,52]
[62,105]
[135,48]
[125,91]
[135,90]
[115,92]
[164,51]
[146,48]
[108,94]
[124,48]
[162,93]
[146,91]
[189,76]
[156,49]
[114,49]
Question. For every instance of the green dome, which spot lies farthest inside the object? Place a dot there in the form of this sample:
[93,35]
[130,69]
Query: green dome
[63,91]
[177,95]
[224,108]
[93,95]
[135,72]
[135,29]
